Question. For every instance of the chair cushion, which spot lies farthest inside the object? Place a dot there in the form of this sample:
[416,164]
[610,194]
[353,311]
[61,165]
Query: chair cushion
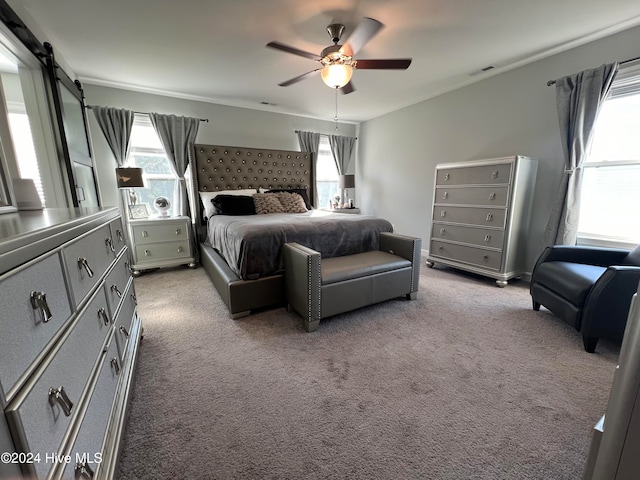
[339,269]
[571,281]
[633,258]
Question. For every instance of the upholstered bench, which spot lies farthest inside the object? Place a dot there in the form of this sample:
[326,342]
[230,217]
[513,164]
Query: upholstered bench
[318,287]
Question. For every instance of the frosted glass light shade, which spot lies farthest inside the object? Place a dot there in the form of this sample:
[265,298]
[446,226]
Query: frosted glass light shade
[336,76]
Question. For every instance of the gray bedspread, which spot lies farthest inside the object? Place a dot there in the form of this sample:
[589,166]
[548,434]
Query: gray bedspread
[251,244]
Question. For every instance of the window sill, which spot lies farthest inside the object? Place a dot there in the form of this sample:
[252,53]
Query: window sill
[597,241]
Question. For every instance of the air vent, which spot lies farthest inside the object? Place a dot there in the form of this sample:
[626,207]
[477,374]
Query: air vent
[482,70]
[269,104]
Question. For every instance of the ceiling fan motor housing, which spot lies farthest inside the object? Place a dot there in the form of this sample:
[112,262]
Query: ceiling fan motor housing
[335,32]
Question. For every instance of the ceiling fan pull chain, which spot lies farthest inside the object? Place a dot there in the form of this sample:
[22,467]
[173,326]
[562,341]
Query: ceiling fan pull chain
[336,117]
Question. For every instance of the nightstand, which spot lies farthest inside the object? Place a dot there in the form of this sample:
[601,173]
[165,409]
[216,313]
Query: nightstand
[160,242]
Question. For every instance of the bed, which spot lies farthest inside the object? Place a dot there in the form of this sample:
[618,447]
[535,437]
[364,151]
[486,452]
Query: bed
[242,253]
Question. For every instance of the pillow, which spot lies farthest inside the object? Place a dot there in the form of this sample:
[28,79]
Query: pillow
[206,197]
[303,192]
[291,202]
[225,204]
[267,203]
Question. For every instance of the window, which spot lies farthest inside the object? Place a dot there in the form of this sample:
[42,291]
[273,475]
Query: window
[611,174]
[147,153]
[326,174]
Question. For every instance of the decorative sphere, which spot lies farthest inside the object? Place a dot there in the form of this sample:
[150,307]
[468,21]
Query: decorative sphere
[162,205]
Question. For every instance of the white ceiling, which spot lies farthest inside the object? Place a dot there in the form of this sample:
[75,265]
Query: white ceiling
[214,50]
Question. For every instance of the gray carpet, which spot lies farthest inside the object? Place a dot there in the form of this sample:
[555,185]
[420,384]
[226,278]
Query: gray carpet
[467,382]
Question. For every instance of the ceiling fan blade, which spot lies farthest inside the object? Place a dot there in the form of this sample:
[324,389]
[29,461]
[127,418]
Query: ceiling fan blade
[348,88]
[387,64]
[295,51]
[364,32]
[299,77]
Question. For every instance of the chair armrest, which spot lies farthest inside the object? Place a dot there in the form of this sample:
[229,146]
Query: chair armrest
[302,275]
[405,247]
[607,306]
[599,256]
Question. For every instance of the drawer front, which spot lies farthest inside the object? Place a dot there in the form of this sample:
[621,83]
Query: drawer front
[87,259]
[475,256]
[162,251]
[483,217]
[26,330]
[43,423]
[472,235]
[116,283]
[117,236]
[489,196]
[124,320]
[87,446]
[480,175]
[160,231]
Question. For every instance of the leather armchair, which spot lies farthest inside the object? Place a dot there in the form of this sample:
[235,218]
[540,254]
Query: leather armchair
[590,288]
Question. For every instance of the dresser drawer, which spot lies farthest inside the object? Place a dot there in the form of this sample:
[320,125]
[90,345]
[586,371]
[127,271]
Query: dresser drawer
[36,417]
[87,450]
[117,236]
[162,251]
[487,259]
[474,175]
[87,259]
[124,319]
[477,196]
[25,330]
[484,217]
[473,235]
[159,231]
[116,283]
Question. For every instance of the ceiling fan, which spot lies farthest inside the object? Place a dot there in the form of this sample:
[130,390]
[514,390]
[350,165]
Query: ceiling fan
[337,60]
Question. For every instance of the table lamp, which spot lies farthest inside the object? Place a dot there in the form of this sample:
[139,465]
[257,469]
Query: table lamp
[345,182]
[130,177]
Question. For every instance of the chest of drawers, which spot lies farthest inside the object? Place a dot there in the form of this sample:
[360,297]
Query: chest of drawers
[69,334]
[480,216]
[161,242]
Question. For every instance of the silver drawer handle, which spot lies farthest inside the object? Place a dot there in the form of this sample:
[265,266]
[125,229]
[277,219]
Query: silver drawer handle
[442,230]
[446,176]
[114,288]
[124,331]
[180,249]
[487,238]
[110,244]
[445,195]
[486,258]
[59,396]
[489,217]
[441,248]
[147,253]
[144,233]
[178,231]
[39,302]
[103,315]
[82,470]
[492,196]
[494,174]
[443,213]
[115,365]
[82,262]
[119,235]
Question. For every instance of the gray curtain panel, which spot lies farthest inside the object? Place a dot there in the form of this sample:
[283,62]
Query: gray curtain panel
[578,99]
[177,134]
[116,125]
[310,142]
[342,147]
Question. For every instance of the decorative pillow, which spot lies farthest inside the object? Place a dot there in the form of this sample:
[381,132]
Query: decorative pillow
[267,203]
[291,202]
[233,205]
[206,198]
[303,192]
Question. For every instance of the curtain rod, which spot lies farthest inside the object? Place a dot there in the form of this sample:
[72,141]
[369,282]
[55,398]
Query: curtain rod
[553,82]
[298,131]
[147,113]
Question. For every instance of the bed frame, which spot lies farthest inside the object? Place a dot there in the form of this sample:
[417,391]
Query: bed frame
[214,168]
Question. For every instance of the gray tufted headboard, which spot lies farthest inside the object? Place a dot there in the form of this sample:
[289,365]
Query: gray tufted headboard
[219,167]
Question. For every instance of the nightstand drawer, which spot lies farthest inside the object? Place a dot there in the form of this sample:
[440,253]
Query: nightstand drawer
[160,231]
[161,251]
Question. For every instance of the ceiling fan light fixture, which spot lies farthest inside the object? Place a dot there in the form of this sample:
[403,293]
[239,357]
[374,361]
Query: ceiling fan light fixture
[337,75]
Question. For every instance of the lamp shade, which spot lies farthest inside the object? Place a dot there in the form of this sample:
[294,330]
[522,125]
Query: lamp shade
[129,177]
[347,181]
[336,76]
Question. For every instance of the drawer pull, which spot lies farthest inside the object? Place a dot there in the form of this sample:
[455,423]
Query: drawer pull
[82,470]
[103,315]
[445,195]
[487,238]
[442,231]
[486,258]
[82,262]
[124,331]
[115,365]
[446,176]
[110,245]
[144,233]
[494,174]
[180,249]
[39,302]
[443,213]
[178,231]
[114,288]
[489,217]
[441,248]
[135,300]
[119,235]
[492,196]
[59,396]
[147,253]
